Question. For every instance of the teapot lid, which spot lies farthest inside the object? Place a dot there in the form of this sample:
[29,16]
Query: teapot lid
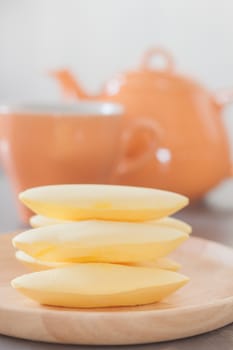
[148,77]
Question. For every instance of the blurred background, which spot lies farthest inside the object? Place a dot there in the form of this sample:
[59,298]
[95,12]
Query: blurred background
[97,39]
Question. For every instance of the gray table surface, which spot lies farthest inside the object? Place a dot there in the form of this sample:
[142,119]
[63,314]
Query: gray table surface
[212,220]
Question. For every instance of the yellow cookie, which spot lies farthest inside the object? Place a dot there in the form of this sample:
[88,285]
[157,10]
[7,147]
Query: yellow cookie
[99,285]
[174,223]
[160,263]
[38,265]
[40,221]
[102,241]
[104,202]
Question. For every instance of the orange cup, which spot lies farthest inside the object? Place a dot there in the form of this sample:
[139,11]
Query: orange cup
[87,142]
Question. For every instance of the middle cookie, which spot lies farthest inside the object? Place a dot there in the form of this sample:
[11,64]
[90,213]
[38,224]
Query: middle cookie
[100,241]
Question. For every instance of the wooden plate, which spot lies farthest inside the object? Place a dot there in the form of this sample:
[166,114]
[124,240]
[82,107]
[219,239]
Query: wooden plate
[205,304]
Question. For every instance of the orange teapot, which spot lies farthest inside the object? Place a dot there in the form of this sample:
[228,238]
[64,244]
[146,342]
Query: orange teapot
[192,153]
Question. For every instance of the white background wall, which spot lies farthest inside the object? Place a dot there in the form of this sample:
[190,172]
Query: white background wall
[97,38]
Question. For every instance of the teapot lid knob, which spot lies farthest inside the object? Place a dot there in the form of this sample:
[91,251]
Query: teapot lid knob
[154,53]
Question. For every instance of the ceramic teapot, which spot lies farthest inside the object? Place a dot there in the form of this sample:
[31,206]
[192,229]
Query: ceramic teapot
[192,151]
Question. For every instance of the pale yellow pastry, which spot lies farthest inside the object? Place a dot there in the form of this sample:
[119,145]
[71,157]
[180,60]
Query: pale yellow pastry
[40,221]
[99,285]
[160,263]
[100,241]
[104,202]
[38,265]
[174,223]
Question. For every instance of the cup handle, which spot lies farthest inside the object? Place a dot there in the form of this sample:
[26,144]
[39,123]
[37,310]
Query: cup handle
[132,132]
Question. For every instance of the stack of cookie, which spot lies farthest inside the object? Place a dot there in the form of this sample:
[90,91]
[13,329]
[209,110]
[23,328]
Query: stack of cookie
[100,245]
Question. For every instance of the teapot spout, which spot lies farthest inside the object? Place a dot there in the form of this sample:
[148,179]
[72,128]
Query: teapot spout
[68,84]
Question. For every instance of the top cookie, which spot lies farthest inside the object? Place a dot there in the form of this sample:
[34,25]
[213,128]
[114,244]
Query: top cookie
[103,202]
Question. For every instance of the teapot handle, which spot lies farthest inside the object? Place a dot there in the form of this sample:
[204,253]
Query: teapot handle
[154,52]
[132,158]
[224,97]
